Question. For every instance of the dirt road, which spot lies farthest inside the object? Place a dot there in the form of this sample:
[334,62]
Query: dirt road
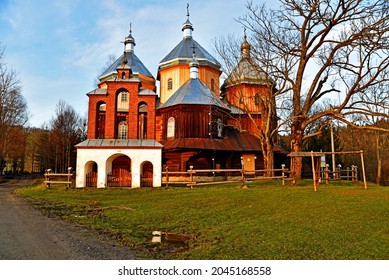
[26,234]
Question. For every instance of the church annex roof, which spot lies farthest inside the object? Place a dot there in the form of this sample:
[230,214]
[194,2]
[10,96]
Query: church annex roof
[183,53]
[115,143]
[137,67]
[194,92]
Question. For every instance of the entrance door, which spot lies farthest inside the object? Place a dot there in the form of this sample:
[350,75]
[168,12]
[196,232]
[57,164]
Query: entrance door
[146,178]
[121,173]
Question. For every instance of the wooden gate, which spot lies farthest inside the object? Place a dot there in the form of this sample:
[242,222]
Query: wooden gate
[119,178]
[91,179]
[146,178]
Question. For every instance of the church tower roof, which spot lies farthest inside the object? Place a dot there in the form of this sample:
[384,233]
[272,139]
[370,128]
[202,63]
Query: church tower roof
[193,91]
[127,59]
[182,53]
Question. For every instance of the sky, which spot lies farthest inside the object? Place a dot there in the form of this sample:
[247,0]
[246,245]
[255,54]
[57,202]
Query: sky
[59,47]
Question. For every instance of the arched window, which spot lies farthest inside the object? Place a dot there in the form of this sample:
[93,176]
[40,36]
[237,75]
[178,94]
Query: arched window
[123,130]
[100,120]
[171,122]
[212,84]
[123,75]
[170,84]
[122,101]
[142,121]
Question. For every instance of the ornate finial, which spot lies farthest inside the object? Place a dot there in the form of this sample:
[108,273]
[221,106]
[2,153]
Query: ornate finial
[130,28]
[187,10]
[245,47]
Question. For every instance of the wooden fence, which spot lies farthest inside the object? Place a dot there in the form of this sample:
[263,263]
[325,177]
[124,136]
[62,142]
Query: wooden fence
[59,178]
[201,177]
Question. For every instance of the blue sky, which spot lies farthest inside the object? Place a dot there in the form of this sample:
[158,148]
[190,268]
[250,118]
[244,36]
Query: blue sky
[58,47]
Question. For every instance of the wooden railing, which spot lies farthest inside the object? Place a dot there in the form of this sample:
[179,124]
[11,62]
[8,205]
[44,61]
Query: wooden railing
[59,178]
[201,177]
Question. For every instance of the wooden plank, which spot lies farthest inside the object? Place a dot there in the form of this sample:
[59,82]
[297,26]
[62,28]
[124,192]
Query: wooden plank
[57,182]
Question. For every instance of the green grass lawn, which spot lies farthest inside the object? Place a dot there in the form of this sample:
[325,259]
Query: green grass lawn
[265,221]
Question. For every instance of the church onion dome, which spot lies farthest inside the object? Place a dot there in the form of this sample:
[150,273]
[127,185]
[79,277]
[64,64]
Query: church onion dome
[127,59]
[194,68]
[245,48]
[129,42]
[194,92]
[247,71]
[187,28]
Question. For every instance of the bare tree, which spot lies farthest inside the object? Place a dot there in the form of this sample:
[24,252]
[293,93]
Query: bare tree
[325,52]
[373,104]
[13,108]
[66,131]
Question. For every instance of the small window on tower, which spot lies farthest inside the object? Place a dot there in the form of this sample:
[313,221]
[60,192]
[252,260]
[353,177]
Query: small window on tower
[170,84]
[171,122]
[123,75]
[257,99]
[212,84]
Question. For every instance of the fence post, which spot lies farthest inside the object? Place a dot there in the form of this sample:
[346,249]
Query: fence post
[283,174]
[242,171]
[191,176]
[47,177]
[338,171]
[167,177]
[69,178]
[326,173]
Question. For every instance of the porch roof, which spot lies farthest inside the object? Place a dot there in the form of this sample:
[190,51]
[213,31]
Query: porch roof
[116,143]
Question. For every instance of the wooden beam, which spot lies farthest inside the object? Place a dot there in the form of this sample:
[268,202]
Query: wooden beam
[363,170]
[313,171]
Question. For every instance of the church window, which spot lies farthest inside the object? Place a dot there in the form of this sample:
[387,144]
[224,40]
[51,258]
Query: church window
[170,127]
[124,96]
[102,107]
[219,128]
[123,75]
[257,99]
[123,130]
[100,121]
[212,84]
[170,84]
[122,102]
[142,121]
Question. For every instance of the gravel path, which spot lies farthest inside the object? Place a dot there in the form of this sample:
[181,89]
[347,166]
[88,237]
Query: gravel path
[26,234]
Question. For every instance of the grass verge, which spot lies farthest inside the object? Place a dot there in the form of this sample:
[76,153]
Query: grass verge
[264,221]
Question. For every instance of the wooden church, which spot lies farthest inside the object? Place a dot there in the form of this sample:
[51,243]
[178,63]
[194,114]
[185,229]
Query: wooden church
[134,134]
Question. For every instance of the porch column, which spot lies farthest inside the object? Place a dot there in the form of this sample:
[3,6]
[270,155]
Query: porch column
[102,173]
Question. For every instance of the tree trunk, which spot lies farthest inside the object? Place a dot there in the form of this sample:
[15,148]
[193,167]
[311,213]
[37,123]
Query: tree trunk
[296,163]
[268,158]
[379,158]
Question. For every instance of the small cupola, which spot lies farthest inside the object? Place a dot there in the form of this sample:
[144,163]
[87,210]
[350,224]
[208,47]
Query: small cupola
[194,68]
[129,42]
[187,27]
[245,47]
